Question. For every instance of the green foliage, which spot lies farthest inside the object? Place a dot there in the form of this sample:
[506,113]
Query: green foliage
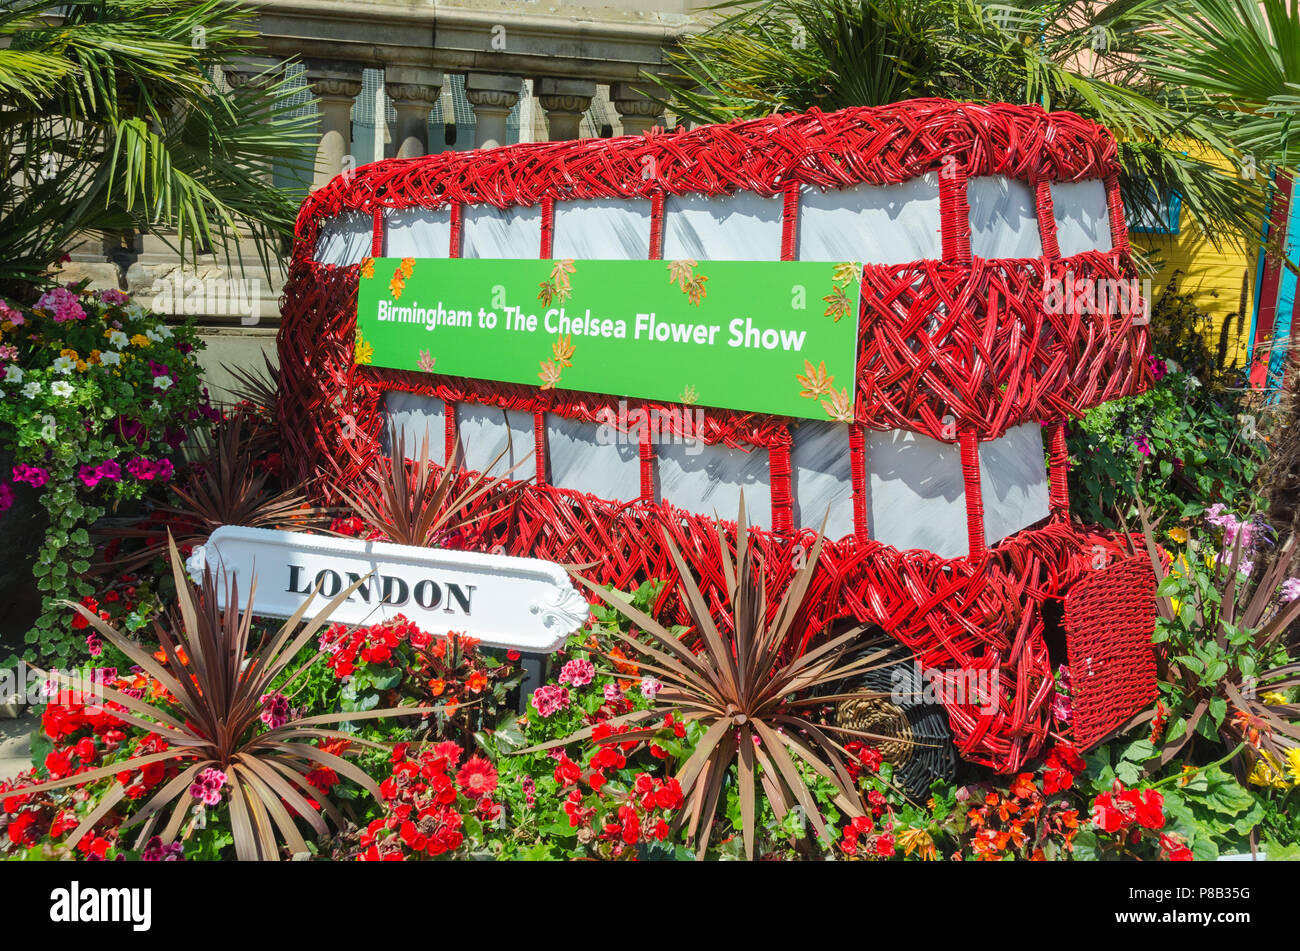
[97,395]
[113,119]
[1184,448]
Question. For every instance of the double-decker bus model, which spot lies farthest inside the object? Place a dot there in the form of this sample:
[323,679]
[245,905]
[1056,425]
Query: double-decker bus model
[945,527]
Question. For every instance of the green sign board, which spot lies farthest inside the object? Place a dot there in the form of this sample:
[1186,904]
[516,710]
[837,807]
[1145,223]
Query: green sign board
[770,337]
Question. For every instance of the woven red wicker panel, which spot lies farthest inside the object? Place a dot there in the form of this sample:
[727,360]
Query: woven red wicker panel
[1109,618]
[955,615]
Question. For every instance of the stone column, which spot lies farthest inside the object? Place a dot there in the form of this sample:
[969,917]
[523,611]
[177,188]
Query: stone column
[335,88]
[565,100]
[413,91]
[492,97]
[637,112]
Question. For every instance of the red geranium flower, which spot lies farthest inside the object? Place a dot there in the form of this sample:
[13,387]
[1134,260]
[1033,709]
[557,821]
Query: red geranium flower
[477,778]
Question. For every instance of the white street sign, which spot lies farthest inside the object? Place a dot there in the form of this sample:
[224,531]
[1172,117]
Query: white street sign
[503,601]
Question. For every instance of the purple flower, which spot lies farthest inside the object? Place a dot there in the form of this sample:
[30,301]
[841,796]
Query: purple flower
[207,788]
[143,469]
[32,475]
[113,296]
[1158,368]
[110,470]
[1290,590]
[6,497]
[1141,445]
[159,369]
[155,851]
[94,644]
[275,709]
[577,673]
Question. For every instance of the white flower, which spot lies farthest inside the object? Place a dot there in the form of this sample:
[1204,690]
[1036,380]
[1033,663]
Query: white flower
[31,389]
[134,311]
[119,339]
[154,336]
[650,686]
[196,564]
[61,388]
[64,364]
[162,382]
[110,358]
[14,373]
[155,406]
[164,331]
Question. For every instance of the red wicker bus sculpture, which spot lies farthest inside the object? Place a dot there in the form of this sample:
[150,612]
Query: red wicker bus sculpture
[986,231]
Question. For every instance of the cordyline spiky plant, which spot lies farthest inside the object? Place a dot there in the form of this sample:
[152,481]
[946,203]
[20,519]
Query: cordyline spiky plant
[210,717]
[224,487]
[749,690]
[423,506]
[1236,655]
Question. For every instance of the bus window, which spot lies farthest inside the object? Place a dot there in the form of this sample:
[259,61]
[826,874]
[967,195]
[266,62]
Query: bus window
[417,233]
[875,224]
[1082,216]
[345,239]
[415,418]
[1013,481]
[1003,218]
[593,459]
[491,232]
[615,229]
[486,431]
[708,480]
[739,227]
[821,477]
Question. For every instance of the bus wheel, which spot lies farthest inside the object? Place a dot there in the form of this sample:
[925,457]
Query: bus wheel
[919,744]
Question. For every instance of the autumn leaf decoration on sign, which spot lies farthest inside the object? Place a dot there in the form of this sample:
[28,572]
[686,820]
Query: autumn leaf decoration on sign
[682,273]
[404,271]
[557,288]
[838,301]
[816,382]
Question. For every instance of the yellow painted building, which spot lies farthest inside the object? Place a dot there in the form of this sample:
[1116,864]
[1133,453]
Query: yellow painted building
[1220,279]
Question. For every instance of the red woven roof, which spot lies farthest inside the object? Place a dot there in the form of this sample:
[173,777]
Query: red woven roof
[880,145]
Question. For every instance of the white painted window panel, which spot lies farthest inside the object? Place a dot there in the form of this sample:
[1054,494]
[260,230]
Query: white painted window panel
[345,239]
[417,233]
[486,431]
[708,480]
[739,227]
[1003,218]
[602,230]
[916,494]
[875,224]
[585,458]
[415,417]
[821,477]
[1082,216]
[491,232]
[1013,481]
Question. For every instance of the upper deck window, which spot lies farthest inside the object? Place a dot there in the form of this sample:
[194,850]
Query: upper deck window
[417,233]
[739,227]
[491,232]
[1082,216]
[344,239]
[1003,218]
[875,224]
[608,229]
